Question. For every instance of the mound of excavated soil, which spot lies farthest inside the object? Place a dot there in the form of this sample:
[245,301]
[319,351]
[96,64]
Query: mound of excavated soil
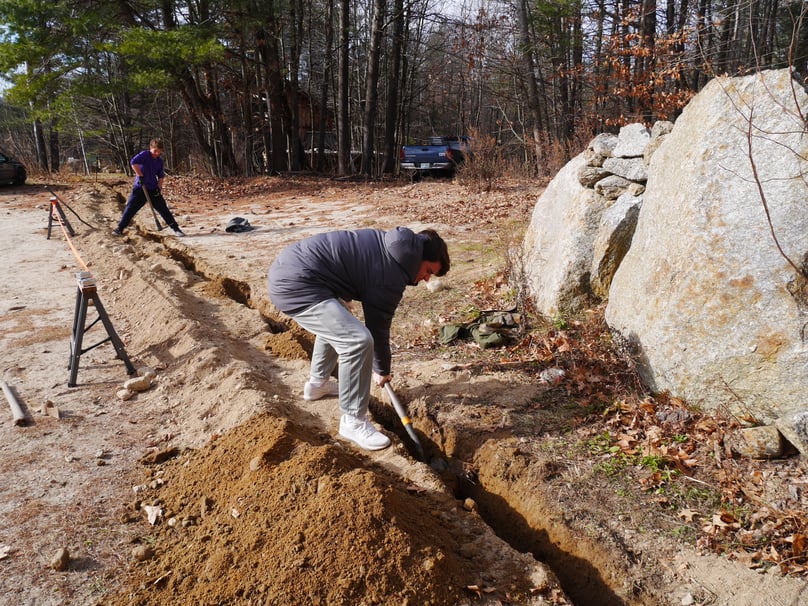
[265,516]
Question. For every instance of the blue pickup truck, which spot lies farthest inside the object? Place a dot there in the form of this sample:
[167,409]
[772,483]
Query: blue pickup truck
[438,154]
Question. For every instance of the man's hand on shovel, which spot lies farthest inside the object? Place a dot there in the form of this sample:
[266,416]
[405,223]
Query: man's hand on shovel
[382,380]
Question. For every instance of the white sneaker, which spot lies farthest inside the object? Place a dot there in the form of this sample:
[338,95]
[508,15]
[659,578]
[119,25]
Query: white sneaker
[179,233]
[315,392]
[362,433]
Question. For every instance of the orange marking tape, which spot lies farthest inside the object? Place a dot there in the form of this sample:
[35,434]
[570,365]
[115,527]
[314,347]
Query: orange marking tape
[67,237]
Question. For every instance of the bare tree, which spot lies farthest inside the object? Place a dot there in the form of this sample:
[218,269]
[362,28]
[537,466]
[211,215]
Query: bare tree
[343,86]
[534,103]
[372,84]
[391,121]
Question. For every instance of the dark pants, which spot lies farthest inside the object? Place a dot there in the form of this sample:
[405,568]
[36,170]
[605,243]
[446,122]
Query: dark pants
[137,200]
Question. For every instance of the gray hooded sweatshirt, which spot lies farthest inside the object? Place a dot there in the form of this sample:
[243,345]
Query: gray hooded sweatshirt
[366,265]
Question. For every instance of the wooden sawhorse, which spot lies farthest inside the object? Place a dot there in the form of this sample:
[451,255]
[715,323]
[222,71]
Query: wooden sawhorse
[88,295]
[54,208]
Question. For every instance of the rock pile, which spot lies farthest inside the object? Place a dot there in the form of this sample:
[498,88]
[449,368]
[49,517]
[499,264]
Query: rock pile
[694,236]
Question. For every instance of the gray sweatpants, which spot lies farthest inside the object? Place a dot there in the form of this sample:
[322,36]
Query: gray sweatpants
[341,337]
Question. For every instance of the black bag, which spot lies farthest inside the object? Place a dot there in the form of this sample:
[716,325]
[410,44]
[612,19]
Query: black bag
[236,225]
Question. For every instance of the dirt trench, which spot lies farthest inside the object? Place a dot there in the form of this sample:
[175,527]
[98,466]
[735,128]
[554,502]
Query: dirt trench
[488,474]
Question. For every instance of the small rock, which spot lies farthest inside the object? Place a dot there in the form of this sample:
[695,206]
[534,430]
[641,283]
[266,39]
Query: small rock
[138,384]
[141,553]
[60,560]
[612,186]
[603,145]
[688,600]
[450,366]
[153,513]
[155,458]
[794,428]
[757,442]
[470,504]
[631,141]
[632,169]
[124,394]
[589,175]
[255,463]
[673,416]
[551,375]
[146,371]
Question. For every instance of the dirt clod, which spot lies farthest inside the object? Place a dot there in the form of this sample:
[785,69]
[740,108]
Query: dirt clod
[61,560]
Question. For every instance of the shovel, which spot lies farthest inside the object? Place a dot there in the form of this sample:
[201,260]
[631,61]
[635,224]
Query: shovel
[405,420]
[154,213]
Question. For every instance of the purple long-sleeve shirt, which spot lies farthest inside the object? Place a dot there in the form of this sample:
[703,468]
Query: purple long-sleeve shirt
[151,167]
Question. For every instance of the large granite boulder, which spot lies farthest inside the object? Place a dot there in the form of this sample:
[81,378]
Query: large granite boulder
[557,249]
[712,295]
[568,220]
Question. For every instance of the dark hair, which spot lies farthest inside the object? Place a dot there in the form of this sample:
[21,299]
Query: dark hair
[435,250]
[156,142]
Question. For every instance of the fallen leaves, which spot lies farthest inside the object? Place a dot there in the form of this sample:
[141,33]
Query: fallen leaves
[799,543]
[687,514]
[751,510]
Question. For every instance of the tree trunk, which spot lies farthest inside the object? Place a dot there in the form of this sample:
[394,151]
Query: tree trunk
[275,97]
[295,129]
[41,149]
[372,88]
[533,102]
[327,67]
[647,62]
[798,51]
[53,144]
[343,119]
[394,76]
[703,44]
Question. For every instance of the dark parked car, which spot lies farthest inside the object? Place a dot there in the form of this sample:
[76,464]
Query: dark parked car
[11,171]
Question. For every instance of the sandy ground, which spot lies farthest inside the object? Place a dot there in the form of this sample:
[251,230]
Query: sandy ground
[220,485]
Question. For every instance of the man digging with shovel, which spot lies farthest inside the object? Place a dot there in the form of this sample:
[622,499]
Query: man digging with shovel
[315,279]
[148,166]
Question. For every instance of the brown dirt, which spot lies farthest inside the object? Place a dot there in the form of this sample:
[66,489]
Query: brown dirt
[258,502]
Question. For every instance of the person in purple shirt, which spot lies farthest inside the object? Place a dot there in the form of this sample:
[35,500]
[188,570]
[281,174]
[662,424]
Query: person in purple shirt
[148,166]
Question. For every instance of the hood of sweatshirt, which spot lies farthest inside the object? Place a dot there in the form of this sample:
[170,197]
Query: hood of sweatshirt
[407,248]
